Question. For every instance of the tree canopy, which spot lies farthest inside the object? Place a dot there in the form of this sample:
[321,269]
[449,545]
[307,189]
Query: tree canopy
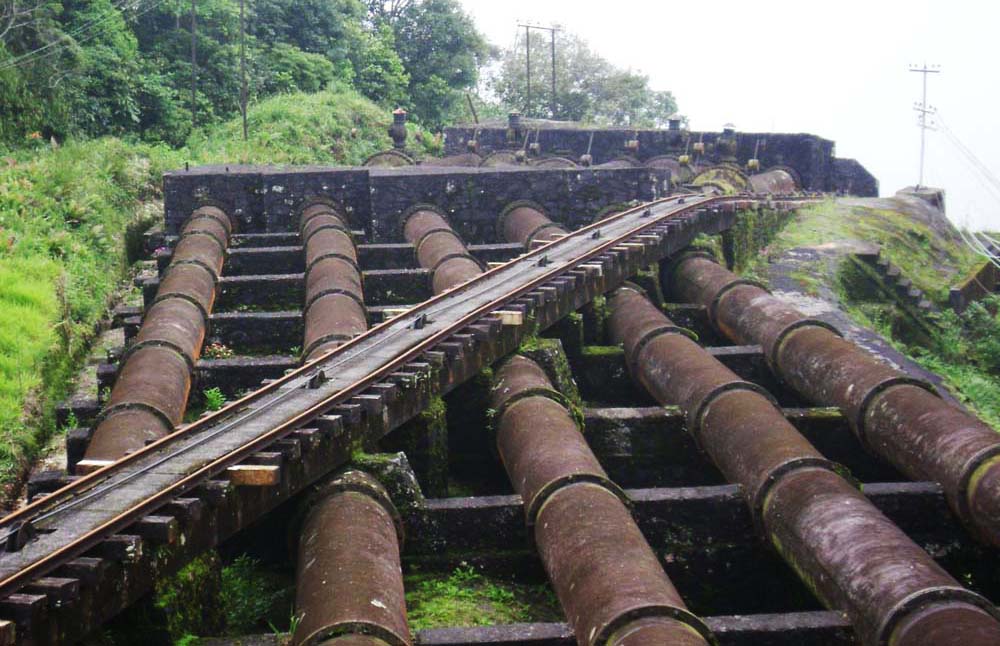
[94,67]
[588,87]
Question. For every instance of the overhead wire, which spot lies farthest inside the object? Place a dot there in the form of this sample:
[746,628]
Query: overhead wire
[81,34]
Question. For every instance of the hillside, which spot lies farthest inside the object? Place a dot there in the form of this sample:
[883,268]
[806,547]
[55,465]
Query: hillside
[825,260]
[70,222]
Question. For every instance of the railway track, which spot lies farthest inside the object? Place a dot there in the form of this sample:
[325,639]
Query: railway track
[544,284]
[658,510]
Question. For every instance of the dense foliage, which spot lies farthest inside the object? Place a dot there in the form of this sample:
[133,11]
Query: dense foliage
[98,67]
[588,87]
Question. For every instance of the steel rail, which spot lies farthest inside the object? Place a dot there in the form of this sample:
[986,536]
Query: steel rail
[301,377]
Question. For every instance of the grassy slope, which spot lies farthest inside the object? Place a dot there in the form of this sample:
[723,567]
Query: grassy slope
[64,214]
[927,250]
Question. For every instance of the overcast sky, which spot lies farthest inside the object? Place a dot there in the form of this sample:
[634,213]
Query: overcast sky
[838,70]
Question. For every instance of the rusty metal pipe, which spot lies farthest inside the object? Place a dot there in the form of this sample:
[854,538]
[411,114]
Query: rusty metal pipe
[150,395]
[527,224]
[349,584]
[439,249]
[607,578]
[844,549]
[895,416]
[334,310]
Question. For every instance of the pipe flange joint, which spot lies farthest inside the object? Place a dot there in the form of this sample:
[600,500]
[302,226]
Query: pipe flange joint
[632,359]
[327,292]
[713,306]
[533,507]
[987,457]
[327,633]
[421,206]
[333,254]
[858,423]
[681,615]
[157,343]
[884,632]
[697,414]
[205,316]
[758,506]
[109,411]
[517,204]
[771,354]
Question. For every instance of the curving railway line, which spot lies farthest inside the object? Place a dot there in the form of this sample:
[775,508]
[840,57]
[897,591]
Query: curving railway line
[718,470]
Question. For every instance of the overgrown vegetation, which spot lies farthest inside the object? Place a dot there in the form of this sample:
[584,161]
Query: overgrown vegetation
[964,349]
[468,598]
[69,214]
[96,67]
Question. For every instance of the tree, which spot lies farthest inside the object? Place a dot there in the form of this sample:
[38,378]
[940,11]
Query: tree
[588,87]
[442,52]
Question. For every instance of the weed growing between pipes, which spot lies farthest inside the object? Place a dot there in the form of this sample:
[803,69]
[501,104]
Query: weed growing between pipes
[465,597]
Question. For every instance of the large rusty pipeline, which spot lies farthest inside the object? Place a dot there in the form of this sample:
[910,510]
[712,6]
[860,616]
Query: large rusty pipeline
[349,582]
[853,557]
[527,224]
[334,310]
[439,249]
[150,395]
[774,181]
[899,418]
[608,580]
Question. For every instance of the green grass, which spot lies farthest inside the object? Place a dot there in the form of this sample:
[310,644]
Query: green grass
[930,259]
[69,213]
[467,598]
[933,260]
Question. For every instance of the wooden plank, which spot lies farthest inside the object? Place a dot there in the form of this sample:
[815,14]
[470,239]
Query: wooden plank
[254,475]
[510,317]
[83,467]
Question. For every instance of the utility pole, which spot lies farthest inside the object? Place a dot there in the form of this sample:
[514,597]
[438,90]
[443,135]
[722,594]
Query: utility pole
[527,40]
[194,64]
[527,52]
[243,69]
[923,109]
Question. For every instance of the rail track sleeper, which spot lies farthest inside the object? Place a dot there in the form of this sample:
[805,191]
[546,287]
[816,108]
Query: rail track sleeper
[89,570]
[24,610]
[350,413]
[121,547]
[214,491]
[273,458]
[289,447]
[59,590]
[187,510]
[330,425]
[309,437]
[158,529]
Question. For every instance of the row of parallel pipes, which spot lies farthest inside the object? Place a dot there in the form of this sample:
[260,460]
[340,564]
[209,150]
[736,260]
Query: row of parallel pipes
[151,393]
[852,557]
[898,418]
[334,310]
[607,578]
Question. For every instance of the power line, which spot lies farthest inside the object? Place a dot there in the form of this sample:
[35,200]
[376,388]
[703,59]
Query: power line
[72,36]
[527,49]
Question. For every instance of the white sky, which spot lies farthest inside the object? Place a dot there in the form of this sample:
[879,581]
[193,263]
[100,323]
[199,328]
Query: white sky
[835,69]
